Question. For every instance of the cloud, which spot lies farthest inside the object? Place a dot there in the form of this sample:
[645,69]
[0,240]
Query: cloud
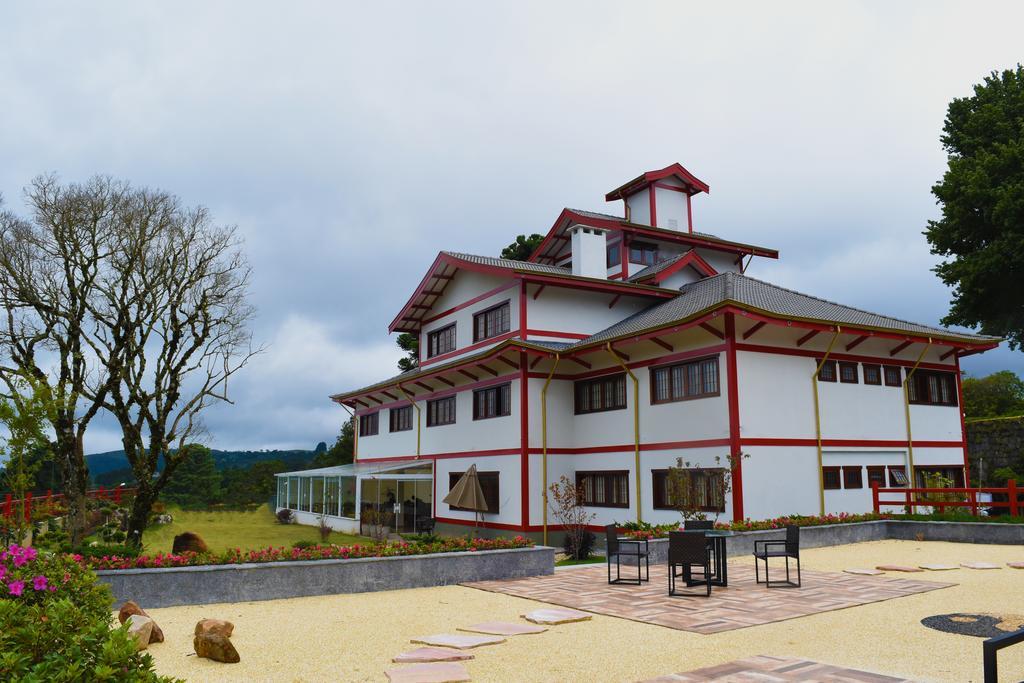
[351,141]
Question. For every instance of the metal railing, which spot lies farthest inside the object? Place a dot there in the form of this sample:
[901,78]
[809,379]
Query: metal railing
[993,645]
[912,498]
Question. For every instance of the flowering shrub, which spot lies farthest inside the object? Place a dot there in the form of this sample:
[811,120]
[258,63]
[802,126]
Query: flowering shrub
[55,623]
[644,530]
[313,552]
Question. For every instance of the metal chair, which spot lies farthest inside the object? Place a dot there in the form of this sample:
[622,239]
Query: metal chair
[633,549]
[787,548]
[702,525]
[686,550]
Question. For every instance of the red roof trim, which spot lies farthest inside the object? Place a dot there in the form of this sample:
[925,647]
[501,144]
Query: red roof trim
[694,184]
[691,258]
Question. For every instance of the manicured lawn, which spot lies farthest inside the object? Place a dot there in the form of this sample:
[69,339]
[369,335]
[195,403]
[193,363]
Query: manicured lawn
[229,529]
[593,559]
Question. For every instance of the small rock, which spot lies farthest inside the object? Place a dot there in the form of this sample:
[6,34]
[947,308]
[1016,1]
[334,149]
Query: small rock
[218,626]
[140,628]
[189,542]
[216,647]
[129,608]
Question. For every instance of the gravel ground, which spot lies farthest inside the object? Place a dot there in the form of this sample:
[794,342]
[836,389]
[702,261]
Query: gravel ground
[353,637]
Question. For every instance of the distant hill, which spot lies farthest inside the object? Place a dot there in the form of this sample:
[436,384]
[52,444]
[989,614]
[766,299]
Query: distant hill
[101,463]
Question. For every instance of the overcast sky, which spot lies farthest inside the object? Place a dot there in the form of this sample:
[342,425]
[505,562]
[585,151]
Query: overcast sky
[351,142]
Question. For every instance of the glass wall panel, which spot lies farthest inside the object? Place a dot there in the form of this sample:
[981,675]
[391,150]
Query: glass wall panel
[282,492]
[318,495]
[304,494]
[293,493]
[348,497]
[331,496]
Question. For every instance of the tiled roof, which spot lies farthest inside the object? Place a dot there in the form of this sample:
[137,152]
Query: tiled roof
[509,263]
[656,268]
[609,217]
[708,293]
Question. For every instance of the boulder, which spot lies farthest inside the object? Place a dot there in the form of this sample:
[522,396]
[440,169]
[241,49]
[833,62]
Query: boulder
[140,628]
[217,626]
[189,542]
[129,608]
[216,647]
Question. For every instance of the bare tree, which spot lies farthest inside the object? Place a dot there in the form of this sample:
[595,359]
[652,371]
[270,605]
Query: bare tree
[120,298]
[173,326]
[49,264]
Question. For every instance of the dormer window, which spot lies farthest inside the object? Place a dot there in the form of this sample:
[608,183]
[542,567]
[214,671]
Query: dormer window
[491,322]
[643,253]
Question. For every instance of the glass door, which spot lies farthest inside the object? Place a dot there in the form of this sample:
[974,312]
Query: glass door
[415,501]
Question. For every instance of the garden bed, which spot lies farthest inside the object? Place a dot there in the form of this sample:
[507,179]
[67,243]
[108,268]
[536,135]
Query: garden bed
[243,581]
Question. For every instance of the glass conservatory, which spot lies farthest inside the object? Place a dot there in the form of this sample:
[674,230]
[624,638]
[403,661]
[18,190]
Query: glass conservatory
[395,495]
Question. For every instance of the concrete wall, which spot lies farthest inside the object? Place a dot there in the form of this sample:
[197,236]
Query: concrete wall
[167,587]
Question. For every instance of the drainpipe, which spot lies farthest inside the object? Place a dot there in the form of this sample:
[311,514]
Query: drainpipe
[817,421]
[636,425]
[906,413]
[544,442]
[410,400]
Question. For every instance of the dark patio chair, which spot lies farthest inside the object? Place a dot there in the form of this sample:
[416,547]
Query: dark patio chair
[787,548]
[699,524]
[632,549]
[425,525]
[687,550]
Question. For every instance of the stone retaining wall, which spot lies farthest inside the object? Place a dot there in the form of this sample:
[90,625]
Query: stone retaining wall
[170,586]
[995,443]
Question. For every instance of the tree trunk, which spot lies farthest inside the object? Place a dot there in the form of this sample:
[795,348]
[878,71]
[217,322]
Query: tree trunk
[76,484]
[138,519]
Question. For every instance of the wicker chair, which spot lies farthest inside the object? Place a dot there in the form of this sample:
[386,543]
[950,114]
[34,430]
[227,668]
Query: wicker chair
[633,549]
[686,550]
[787,548]
[702,525]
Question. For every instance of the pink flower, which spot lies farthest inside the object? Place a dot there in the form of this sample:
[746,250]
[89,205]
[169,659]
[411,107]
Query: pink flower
[16,587]
[3,571]
[39,583]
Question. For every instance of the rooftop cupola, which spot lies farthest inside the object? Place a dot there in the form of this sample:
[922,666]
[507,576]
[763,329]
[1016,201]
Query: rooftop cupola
[661,198]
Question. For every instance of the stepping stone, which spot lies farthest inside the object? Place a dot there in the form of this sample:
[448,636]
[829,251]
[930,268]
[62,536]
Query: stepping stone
[897,568]
[434,672]
[938,567]
[556,615]
[864,572]
[458,640]
[503,628]
[1015,565]
[431,654]
[979,565]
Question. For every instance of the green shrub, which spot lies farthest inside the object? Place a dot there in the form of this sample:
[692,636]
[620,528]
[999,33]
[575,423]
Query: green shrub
[302,545]
[55,624]
[104,550]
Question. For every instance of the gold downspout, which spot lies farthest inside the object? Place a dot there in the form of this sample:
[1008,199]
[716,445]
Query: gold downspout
[544,443]
[636,426]
[906,413]
[410,400]
[817,420]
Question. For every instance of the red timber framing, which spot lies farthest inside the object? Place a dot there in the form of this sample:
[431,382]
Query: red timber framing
[549,248]
[414,313]
[524,439]
[689,259]
[734,417]
[963,424]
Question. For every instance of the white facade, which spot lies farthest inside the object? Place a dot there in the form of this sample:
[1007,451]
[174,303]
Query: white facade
[748,376]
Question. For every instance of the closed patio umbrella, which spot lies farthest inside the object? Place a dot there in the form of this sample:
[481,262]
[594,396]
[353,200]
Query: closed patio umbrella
[467,494]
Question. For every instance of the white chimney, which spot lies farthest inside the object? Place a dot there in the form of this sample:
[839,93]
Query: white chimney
[589,251]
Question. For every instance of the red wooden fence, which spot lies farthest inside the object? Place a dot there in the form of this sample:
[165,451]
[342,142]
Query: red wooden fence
[910,498]
[9,506]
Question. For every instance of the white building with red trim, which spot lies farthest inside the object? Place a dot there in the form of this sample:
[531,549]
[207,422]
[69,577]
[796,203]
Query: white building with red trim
[622,346]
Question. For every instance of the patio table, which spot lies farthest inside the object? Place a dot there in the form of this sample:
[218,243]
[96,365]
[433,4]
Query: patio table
[717,539]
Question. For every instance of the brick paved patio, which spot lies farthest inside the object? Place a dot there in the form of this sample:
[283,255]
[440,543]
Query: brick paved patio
[744,603]
[765,669]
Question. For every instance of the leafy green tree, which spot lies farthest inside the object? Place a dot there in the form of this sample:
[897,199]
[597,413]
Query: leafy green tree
[341,452]
[998,395]
[521,249]
[196,481]
[410,343]
[981,231]
[23,416]
[253,484]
